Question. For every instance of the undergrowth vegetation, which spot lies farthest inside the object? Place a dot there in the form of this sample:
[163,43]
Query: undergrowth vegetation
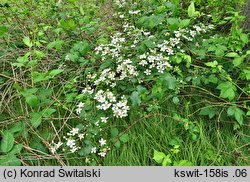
[120,82]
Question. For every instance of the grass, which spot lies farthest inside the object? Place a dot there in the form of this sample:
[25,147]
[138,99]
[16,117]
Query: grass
[216,142]
[214,146]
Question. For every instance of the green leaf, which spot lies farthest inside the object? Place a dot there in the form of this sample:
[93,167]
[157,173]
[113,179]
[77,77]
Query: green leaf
[17,127]
[176,100]
[85,151]
[232,54]
[27,42]
[191,10]
[32,100]
[124,138]
[248,113]
[237,61]
[135,98]
[208,111]
[48,112]
[158,156]
[36,119]
[16,149]
[114,132]
[183,163]
[10,160]
[173,21]
[7,141]
[212,64]
[227,90]
[170,82]
[237,113]
[3,30]
[167,160]
[184,23]
[55,72]
[118,144]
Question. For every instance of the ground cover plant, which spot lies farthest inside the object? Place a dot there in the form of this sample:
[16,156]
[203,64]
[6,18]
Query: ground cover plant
[120,82]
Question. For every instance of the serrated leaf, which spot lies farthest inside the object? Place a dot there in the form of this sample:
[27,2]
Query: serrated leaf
[27,42]
[135,98]
[208,111]
[7,141]
[237,113]
[32,100]
[227,90]
[158,156]
[167,161]
[36,119]
[170,82]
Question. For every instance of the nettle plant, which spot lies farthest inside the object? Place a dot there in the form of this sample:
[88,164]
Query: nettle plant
[154,54]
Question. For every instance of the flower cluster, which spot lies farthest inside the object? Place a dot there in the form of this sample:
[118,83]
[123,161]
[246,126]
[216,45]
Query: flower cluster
[79,108]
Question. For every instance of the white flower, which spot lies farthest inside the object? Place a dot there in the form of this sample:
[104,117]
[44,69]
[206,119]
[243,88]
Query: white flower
[71,142]
[104,119]
[81,136]
[74,131]
[78,110]
[102,142]
[102,154]
[147,72]
[93,150]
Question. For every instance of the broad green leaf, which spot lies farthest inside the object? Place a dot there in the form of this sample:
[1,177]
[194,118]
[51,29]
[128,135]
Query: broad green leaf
[232,54]
[48,112]
[118,144]
[17,127]
[124,138]
[208,111]
[36,119]
[114,132]
[184,23]
[16,149]
[27,42]
[227,90]
[9,160]
[85,151]
[158,156]
[173,21]
[167,160]
[212,64]
[237,61]
[55,72]
[170,82]
[7,141]
[191,10]
[32,100]
[237,113]
[135,98]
